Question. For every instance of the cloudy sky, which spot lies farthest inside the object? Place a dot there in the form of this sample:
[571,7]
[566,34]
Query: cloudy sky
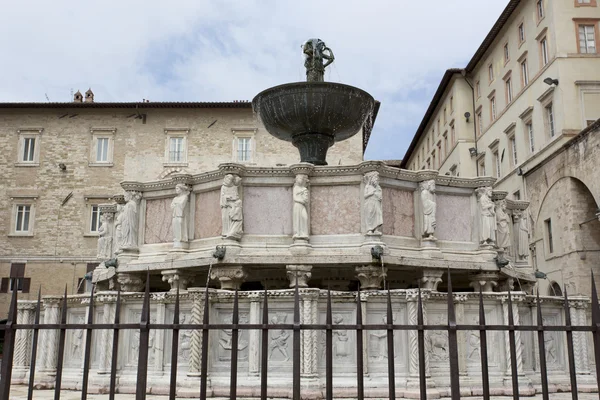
[224,50]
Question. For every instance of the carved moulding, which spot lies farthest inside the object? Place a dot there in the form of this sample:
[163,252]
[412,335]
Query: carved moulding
[299,274]
[230,277]
[178,278]
[370,276]
[484,281]
[431,278]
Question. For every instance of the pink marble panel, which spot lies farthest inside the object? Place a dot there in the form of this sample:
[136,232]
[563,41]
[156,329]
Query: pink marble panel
[268,210]
[159,220]
[334,210]
[208,215]
[453,218]
[398,212]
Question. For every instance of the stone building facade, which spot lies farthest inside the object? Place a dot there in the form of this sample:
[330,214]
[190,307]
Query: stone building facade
[60,161]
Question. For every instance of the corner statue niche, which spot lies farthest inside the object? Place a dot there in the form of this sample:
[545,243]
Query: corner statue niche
[231,207]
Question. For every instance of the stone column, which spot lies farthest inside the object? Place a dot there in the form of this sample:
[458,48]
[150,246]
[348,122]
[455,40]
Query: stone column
[197,297]
[580,345]
[459,310]
[309,310]
[178,278]
[23,337]
[370,276]
[131,282]
[108,300]
[486,281]
[298,273]
[254,335]
[230,277]
[157,348]
[50,337]
[412,299]
[518,344]
[431,278]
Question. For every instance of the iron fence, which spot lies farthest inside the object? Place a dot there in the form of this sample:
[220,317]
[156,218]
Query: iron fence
[296,327]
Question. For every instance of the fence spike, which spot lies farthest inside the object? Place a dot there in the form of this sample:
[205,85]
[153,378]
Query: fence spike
[264,357]
[453,344]
[483,349]
[421,346]
[390,343]
[115,349]
[34,344]
[204,358]
[360,387]
[234,347]
[88,347]
[570,348]
[542,348]
[513,351]
[142,374]
[174,348]
[9,347]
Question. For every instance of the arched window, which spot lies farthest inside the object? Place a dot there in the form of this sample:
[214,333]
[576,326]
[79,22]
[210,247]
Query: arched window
[554,289]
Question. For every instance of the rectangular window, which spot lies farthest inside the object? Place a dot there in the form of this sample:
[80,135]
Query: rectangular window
[493,108]
[433,160]
[451,104]
[544,50]
[506,53]
[94,218]
[524,73]
[587,39]
[540,9]
[446,150]
[548,223]
[482,167]
[550,119]
[479,123]
[513,148]
[438,126]
[496,160]
[176,149]
[439,151]
[243,150]
[509,92]
[517,195]
[529,128]
[478,89]
[22,218]
[16,280]
[28,149]
[102,149]
[491,72]
[583,1]
[453,135]
[521,32]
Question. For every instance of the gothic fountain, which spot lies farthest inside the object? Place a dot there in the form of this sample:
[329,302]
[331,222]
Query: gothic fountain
[340,227]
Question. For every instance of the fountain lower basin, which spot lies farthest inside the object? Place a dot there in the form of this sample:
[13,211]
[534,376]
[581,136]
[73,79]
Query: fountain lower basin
[313,115]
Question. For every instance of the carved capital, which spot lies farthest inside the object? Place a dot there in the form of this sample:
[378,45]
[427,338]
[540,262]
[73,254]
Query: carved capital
[130,282]
[230,277]
[302,168]
[298,273]
[487,281]
[177,278]
[430,278]
[370,277]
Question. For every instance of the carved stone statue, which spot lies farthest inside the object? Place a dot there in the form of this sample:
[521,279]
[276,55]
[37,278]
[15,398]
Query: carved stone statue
[429,208]
[300,210]
[523,235]
[487,234]
[373,208]
[231,207]
[105,238]
[503,226]
[279,339]
[341,344]
[119,227]
[129,221]
[315,52]
[180,214]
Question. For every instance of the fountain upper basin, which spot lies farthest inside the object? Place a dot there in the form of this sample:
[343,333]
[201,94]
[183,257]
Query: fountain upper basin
[313,115]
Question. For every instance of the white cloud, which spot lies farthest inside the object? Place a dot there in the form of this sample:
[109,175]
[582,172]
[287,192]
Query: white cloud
[228,50]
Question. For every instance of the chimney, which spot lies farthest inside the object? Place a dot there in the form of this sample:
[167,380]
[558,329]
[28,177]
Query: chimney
[89,96]
[78,97]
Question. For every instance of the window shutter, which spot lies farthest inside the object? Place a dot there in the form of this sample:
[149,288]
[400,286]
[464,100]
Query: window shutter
[26,285]
[4,285]
[17,270]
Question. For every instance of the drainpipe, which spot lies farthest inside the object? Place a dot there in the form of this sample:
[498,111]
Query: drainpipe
[464,74]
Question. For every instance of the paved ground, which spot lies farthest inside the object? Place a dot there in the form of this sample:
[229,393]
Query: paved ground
[20,393]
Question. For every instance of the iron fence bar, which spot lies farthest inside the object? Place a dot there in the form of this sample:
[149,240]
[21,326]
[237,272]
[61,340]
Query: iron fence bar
[174,349]
[34,345]
[328,350]
[596,327]
[234,348]
[88,348]
[513,352]
[390,345]
[360,385]
[421,346]
[204,358]
[570,349]
[453,344]
[61,348]
[142,374]
[9,348]
[264,358]
[485,378]
[115,350]
[296,345]
[542,350]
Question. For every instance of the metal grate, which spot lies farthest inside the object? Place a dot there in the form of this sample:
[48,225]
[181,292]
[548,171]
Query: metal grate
[296,327]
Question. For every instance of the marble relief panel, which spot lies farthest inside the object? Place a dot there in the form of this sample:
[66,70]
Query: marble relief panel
[398,212]
[495,340]
[335,209]
[554,342]
[185,338]
[159,220]
[208,215]
[453,218]
[377,346]
[222,339]
[527,340]
[268,210]
[75,340]
[344,341]
[131,340]
[280,350]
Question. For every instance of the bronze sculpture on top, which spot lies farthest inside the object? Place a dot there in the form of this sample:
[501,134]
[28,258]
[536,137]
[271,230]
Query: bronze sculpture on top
[313,115]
